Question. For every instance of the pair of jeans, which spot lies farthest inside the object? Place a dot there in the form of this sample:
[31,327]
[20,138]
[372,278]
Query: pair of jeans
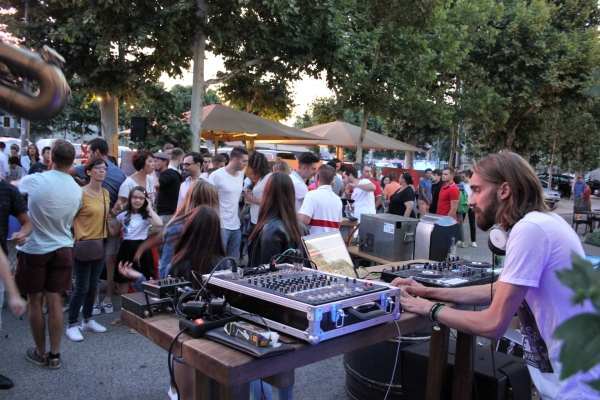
[231,242]
[87,276]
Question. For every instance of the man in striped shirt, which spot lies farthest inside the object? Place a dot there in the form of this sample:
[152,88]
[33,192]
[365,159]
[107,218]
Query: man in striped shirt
[321,210]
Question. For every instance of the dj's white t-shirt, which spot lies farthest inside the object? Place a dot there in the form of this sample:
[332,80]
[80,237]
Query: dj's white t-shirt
[364,202]
[230,190]
[539,245]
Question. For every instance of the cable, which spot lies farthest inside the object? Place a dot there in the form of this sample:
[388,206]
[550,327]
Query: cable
[203,287]
[169,355]
[395,362]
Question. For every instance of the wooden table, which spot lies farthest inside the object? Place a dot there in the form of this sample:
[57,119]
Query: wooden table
[354,251]
[224,373]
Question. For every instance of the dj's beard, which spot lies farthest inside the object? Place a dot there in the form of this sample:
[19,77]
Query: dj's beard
[486,219]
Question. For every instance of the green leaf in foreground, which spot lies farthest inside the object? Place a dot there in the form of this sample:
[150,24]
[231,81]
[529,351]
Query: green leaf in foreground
[583,279]
[581,343]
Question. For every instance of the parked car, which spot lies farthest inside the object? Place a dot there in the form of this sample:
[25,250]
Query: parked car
[551,197]
[564,183]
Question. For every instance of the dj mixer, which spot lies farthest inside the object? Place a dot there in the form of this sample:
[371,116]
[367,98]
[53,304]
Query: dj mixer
[308,304]
[450,273]
[310,286]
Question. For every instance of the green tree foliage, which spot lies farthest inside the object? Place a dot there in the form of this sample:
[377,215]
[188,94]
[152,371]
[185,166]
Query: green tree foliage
[252,93]
[183,98]
[540,59]
[115,48]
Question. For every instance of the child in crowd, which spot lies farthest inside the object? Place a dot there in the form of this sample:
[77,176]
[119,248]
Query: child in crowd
[134,221]
[16,171]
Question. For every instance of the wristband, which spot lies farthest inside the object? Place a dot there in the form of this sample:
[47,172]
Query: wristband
[437,311]
[433,309]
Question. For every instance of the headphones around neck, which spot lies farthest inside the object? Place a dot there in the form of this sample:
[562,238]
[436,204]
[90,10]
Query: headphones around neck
[497,240]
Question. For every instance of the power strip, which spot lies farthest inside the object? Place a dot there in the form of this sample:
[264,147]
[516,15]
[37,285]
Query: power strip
[196,328]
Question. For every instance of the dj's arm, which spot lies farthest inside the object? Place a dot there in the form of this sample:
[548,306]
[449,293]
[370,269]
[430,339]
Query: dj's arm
[478,295]
[490,323]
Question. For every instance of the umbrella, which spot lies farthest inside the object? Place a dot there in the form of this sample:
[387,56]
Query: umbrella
[343,134]
[222,123]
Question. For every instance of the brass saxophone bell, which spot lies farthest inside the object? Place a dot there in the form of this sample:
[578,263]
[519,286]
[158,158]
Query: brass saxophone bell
[44,68]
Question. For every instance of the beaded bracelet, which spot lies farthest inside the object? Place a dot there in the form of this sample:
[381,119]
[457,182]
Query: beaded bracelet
[433,309]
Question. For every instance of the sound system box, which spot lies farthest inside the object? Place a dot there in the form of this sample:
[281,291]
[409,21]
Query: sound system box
[138,129]
[511,379]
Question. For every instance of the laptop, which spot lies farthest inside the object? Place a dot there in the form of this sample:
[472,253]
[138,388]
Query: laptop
[329,253]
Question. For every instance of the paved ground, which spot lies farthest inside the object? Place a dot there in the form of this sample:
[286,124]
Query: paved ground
[119,365]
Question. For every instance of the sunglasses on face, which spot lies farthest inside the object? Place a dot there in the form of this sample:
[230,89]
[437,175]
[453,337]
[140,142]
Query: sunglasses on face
[140,198]
[185,164]
[101,168]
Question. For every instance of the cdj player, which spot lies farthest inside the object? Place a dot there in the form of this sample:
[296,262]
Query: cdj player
[450,273]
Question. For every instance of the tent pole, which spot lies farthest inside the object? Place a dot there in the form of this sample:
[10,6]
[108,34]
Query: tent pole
[339,153]
[250,144]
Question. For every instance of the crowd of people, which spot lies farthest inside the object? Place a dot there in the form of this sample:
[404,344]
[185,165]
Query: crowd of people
[95,220]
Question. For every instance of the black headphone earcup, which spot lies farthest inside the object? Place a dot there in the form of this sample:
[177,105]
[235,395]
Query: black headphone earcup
[495,250]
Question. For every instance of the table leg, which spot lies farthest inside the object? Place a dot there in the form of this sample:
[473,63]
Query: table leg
[438,363]
[462,386]
[207,388]
[284,383]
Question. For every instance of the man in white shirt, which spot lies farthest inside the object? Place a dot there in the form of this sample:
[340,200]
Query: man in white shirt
[322,209]
[307,165]
[507,197]
[362,192]
[46,260]
[229,180]
[191,166]
[4,168]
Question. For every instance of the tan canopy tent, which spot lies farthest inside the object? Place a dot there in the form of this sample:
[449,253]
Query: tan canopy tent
[341,134]
[222,123]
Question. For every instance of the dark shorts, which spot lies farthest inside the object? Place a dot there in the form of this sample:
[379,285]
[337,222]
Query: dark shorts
[52,272]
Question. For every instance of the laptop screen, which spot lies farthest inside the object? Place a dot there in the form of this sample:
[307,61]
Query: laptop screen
[328,251]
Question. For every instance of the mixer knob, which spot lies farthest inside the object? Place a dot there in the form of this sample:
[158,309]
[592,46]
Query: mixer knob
[393,269]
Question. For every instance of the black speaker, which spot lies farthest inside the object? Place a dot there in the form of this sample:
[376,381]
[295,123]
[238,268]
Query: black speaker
[510,380]
[138,129]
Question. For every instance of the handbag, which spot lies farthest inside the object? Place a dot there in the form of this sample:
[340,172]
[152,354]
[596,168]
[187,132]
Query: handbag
[91,250]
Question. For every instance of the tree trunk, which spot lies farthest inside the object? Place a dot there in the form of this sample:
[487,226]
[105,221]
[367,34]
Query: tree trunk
[198,83]
[361,138]
[109,118]
[551,168]
[453,145]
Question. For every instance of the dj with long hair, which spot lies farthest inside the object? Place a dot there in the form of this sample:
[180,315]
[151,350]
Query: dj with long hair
[277,228]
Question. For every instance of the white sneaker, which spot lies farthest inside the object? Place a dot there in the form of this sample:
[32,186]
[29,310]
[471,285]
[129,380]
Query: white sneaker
[93,326]
[172,396]
[458,243]
[95,311]
[74,334]
[473,244]
[108,308]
